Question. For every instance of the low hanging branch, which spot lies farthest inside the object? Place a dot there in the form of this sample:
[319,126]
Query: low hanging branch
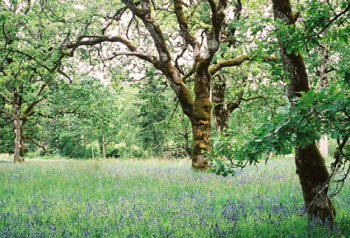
[38,144]
[58,113]
[140,55]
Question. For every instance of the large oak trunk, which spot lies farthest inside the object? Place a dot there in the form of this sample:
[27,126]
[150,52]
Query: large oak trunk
[201,118]
[201,129]
[311,168]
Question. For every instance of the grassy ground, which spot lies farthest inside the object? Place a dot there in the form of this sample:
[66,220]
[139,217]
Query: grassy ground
[152,198]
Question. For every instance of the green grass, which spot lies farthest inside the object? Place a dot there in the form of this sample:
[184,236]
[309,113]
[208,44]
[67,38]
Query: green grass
[153,198]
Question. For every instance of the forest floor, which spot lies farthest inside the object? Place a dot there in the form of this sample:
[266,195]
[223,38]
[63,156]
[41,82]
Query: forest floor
[156,198]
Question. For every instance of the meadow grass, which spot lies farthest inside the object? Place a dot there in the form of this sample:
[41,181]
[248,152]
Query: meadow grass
[155,198]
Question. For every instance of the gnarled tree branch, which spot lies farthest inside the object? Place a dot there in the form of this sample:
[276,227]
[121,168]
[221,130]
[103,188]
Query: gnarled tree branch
[236,62]
[31,106]
[140,55]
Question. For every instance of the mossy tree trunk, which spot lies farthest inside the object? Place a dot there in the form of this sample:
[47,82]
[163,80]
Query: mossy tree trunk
[201,117]
[197,109]
[310,165]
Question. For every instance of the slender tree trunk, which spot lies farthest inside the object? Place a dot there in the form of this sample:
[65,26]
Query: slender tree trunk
[84,145]
[18,128]
[185,135]
[92,152]
[187,147]
[310,165]
[103,147]
[18,141]
[323,143]
[78,141]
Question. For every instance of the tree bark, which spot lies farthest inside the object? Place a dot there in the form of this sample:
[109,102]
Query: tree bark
[220,113]
[201,117]
[18,141]
[17,128]
[223,110]
[313,176]
[84,145]
[201,128]
[310,165]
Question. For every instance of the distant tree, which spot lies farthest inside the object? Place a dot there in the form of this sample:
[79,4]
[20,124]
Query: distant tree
[35,41]
[75,134]
[31,60]
[154,110]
